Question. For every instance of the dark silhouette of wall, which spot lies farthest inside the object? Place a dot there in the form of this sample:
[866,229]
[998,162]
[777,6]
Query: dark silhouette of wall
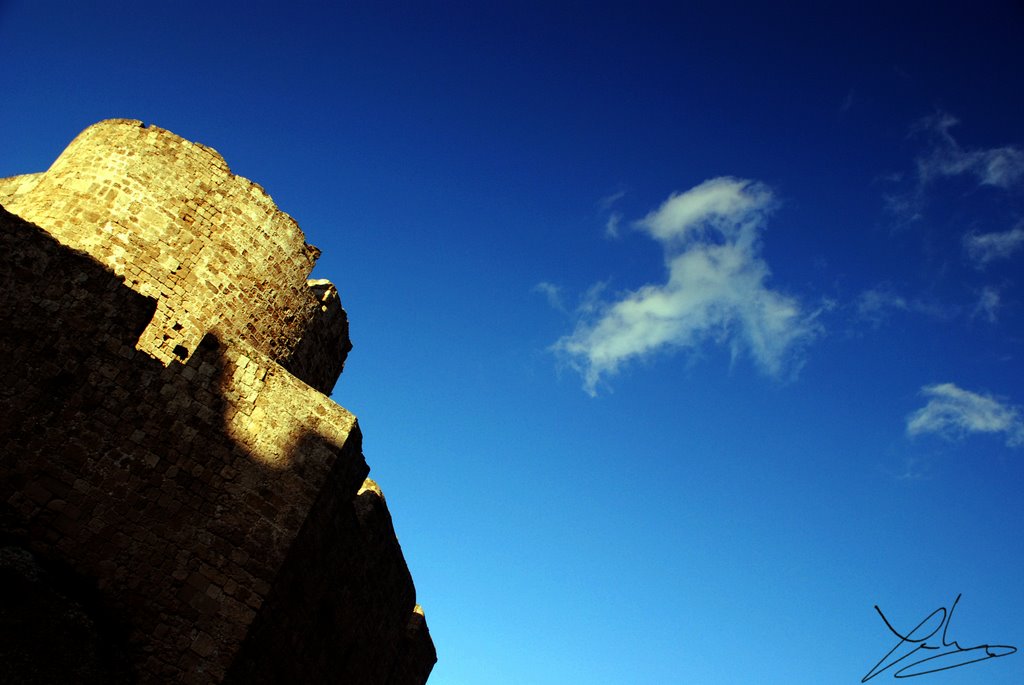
[197,520]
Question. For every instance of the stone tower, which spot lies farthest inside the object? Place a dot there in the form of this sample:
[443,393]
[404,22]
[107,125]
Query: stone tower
[179,499]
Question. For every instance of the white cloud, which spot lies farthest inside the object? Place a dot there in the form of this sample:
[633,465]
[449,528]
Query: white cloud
[907,207]
[605,204]
[553,294]
[952,412]
[874,304]
[1002,167]
[988,304]
[608,201]
[715,290]
[611,227]
[944,157]
[731,207]
[983,248]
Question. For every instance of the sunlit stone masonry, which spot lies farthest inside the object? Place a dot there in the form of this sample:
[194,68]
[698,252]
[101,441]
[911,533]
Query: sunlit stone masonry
[180,502]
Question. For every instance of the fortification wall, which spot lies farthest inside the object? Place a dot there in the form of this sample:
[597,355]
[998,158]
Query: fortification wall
[214,503]
[210,247]
[12,187]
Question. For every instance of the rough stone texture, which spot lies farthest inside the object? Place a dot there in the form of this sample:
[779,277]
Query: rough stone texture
[176,491]
[210,247]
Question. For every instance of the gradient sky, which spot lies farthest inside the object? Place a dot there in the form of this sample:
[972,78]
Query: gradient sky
[684,336]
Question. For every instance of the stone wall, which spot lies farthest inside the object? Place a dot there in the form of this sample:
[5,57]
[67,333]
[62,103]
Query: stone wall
[210,247]
[209,507]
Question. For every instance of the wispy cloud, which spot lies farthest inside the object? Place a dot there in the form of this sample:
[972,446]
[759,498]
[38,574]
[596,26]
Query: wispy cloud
[611,226]
[1002,167]
[988,305]
[876,305]
[944,157]
[715,290]
[906,207]
[953,412]
[552,293]
[848,101]
[614,221]
[912,468]
[608,201]
[983,248]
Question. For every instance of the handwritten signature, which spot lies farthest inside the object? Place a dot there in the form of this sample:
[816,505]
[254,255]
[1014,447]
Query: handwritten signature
[951,654]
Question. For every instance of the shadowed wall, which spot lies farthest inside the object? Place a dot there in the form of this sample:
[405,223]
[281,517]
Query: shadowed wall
[198,515]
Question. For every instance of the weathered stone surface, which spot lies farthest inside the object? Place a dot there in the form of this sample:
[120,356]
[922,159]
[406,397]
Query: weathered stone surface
[165,437]
[210,247]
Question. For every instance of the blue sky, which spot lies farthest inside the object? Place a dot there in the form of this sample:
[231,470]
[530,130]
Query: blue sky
[684,336]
